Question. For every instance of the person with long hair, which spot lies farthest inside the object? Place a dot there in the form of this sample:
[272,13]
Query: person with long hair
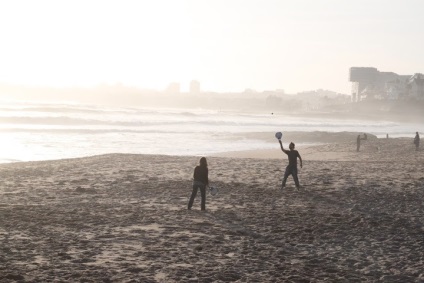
[200,181]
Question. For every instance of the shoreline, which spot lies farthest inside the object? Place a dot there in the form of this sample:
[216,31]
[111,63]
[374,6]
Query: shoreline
[337,147]
[306,152]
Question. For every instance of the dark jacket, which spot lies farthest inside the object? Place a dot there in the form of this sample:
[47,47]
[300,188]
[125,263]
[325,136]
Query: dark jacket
[201,174]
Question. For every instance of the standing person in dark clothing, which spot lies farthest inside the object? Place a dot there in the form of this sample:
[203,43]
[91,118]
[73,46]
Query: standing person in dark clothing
[358,142]
[200,181]
[417,141]
[291,169]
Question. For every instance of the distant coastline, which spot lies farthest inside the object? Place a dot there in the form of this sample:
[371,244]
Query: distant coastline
[318,103]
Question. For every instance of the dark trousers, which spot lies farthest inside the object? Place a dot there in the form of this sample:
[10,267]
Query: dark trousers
[202,194]
[291,170]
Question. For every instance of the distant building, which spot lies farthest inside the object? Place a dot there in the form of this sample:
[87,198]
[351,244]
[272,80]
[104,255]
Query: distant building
[194,87]
[173,88]
[416,86]
[369,83]
[361,77]
[396,89]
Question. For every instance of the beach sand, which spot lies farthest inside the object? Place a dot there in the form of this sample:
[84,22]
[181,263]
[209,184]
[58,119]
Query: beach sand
[123,218]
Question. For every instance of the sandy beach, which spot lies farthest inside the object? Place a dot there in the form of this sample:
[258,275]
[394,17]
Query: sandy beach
[358,217]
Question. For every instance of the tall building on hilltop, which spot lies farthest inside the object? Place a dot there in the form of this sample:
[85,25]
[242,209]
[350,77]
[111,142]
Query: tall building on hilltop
[361,77]
[369,83]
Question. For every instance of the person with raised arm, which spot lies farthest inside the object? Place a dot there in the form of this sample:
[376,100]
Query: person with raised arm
[291,169]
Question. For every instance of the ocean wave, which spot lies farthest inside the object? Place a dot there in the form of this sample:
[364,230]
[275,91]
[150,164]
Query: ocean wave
[61,121]
[70,109]
[178,121]
[102,110]
[91,118]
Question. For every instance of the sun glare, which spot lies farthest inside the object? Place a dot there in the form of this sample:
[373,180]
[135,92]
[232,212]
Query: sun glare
[134,42]
[12,149]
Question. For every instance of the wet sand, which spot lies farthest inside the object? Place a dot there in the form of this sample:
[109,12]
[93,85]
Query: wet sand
[123,218]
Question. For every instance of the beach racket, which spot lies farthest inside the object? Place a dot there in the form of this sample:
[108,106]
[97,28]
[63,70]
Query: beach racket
[213,191]
[279,135]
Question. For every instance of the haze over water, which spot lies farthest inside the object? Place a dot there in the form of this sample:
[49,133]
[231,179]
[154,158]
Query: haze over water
[43,131]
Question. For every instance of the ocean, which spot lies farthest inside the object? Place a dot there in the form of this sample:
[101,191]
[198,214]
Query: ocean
[44,131]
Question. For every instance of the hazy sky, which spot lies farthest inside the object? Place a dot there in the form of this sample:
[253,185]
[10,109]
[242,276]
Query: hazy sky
[225,44]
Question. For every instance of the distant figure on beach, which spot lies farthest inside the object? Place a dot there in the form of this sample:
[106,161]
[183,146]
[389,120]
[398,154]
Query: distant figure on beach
[387,136]
[365,137]
[291,169]
[417,141]
[200,181]
[358,142]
